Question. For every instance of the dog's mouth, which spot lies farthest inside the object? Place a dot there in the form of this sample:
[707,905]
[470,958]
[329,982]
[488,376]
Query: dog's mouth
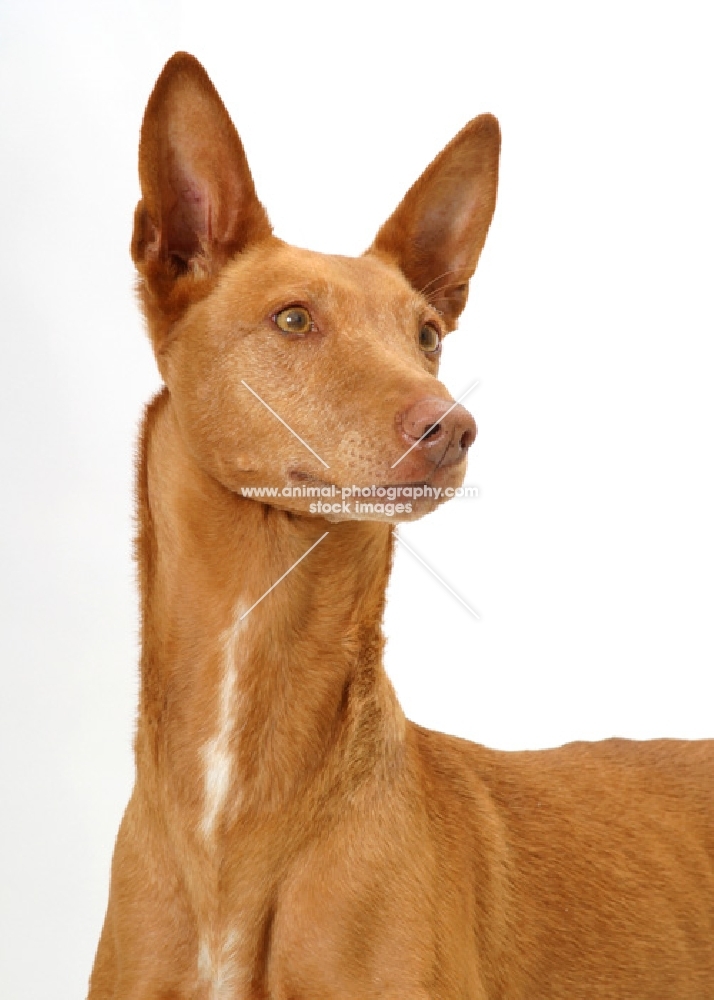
[391,502]
[308,480]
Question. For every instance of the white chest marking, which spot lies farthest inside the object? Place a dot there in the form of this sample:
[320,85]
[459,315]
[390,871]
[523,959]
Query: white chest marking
[216,752]
[217,966]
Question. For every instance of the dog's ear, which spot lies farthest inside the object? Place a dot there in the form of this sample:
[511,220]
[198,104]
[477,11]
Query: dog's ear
[198,205]
[437,233]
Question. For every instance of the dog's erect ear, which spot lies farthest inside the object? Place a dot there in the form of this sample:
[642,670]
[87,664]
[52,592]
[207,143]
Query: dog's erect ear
[438,231]
[198,205]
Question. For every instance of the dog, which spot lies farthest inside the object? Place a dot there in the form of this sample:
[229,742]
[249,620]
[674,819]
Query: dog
[291,835]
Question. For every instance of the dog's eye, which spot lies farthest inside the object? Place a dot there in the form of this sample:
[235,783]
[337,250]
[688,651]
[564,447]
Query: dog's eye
[294,319]
[429,339]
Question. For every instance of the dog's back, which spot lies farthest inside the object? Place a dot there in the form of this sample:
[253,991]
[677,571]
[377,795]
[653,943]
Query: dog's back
[600,861]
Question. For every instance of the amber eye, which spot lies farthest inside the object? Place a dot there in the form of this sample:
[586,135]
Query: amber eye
[294,319]
[429,339]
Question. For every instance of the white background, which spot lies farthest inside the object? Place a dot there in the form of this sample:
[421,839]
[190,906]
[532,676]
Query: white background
[590,552]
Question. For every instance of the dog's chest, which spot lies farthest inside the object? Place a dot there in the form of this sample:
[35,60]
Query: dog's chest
[219,966]
[218,753]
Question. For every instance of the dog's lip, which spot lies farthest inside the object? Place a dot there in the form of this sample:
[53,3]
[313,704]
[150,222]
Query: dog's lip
[307,479]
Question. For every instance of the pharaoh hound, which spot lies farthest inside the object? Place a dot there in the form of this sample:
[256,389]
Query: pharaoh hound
[291,835]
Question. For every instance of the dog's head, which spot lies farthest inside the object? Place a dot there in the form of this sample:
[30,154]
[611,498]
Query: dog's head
[292,370]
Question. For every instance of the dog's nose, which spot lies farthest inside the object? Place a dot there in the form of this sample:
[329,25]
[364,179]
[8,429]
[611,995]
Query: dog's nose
[445,432]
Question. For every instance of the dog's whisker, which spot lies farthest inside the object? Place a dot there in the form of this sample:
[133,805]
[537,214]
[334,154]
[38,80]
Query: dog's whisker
[441,289]
[454,270]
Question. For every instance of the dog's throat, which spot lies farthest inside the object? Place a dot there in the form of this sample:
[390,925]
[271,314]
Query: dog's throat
[249,685]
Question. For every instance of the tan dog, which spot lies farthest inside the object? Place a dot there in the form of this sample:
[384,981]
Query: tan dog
[290,834]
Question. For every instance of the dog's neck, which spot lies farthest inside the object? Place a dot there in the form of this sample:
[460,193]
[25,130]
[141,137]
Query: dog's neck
[244,704]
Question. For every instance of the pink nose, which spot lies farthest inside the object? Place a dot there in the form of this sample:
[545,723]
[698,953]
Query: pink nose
[445,432]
